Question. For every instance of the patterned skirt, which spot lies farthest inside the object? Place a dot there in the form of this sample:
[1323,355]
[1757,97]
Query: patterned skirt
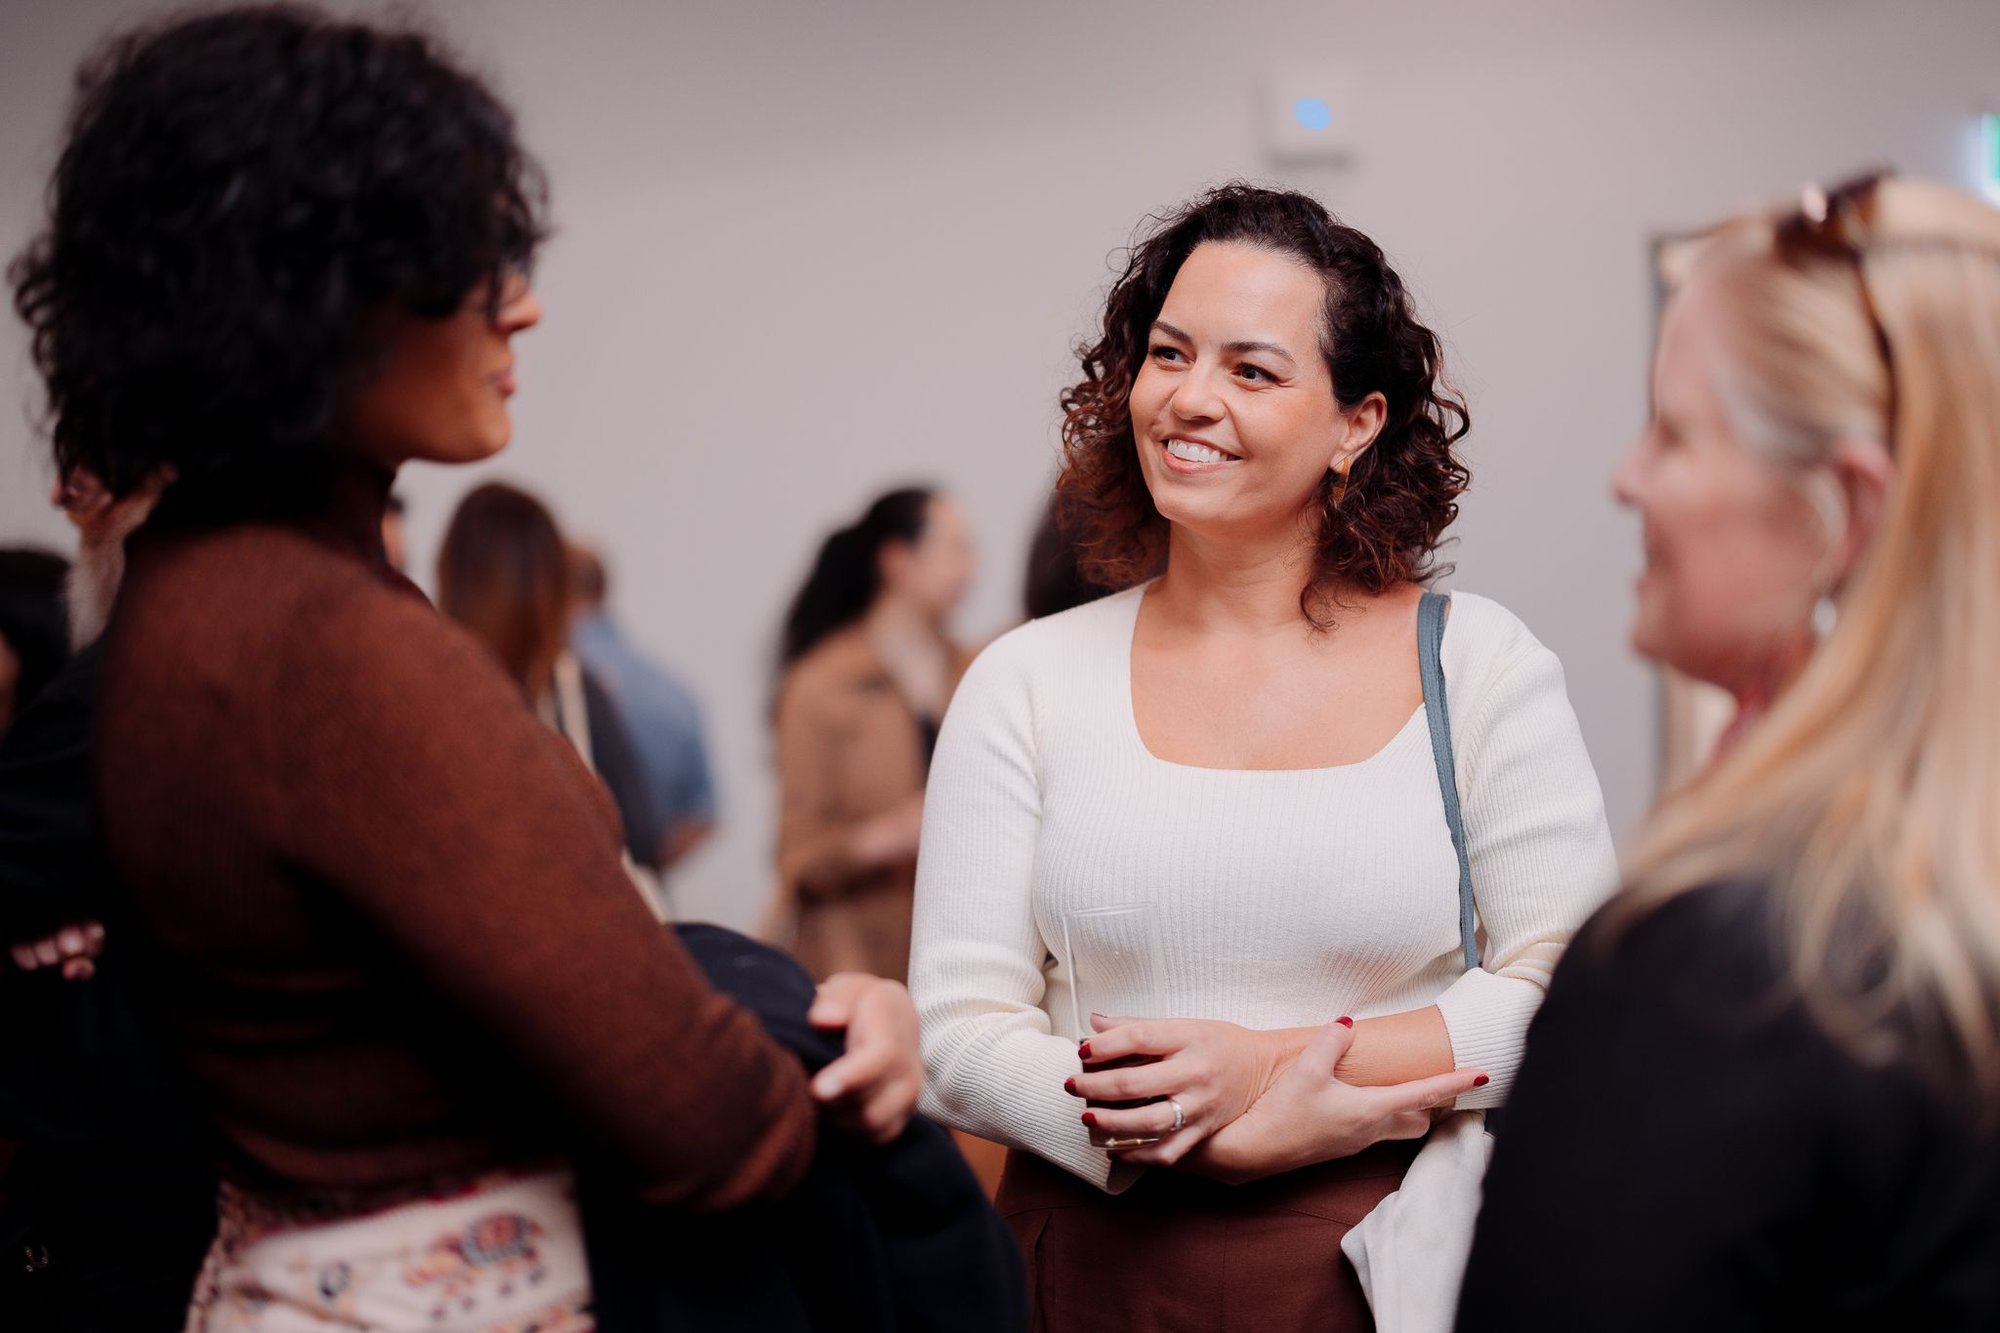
[502,1254]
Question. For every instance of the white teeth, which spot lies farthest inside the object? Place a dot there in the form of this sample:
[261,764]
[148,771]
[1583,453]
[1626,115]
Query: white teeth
[1190,452]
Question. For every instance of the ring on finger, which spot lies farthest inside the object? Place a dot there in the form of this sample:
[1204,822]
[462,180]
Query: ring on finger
[1180,1116]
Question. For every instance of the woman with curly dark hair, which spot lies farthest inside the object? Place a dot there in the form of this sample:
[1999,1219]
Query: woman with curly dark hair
[384,918]
[1241,749]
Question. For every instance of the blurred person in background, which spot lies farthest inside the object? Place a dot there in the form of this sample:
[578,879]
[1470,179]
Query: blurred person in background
[866,666]
[381,907]
[1241,744]
[503,573]
[395,534]
[34,634]
[109,1204]
[1765,1089]
[661,716]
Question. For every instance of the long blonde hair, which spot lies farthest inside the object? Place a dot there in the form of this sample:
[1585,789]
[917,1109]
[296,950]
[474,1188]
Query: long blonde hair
[1869,798]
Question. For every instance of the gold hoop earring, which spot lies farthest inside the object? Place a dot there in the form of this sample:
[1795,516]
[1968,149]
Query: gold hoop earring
[1339,488]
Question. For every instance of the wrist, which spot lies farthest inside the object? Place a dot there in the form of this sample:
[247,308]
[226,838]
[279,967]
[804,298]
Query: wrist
[1277,1048]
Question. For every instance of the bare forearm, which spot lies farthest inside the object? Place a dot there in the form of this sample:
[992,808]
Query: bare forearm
[1394,1048]
[1397,1048]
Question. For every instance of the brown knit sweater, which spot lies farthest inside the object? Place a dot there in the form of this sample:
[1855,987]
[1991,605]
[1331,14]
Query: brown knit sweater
[395,941]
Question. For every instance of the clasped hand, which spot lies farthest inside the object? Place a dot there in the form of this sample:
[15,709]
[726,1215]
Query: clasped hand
[1252,1103]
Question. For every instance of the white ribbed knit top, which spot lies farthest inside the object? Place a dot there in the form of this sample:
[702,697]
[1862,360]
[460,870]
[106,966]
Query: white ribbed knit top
[1281,898]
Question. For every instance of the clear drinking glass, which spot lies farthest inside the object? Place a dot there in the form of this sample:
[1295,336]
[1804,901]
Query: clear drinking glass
[1115,969]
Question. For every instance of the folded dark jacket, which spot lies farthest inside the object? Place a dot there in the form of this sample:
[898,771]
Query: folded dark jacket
[899,1238]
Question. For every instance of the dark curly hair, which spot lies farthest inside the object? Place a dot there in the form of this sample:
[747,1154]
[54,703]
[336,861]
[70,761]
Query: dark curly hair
[243,195]
[1402,491]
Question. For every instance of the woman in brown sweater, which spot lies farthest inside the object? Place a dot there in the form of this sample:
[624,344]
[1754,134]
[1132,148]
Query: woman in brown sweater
[866,669]
[385,918]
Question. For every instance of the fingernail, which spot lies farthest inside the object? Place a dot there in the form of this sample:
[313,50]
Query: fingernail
[1083,1050]
[1096,1017]
[1481,1081]
[1069,1086]
[1345,1022]
[1090,1119]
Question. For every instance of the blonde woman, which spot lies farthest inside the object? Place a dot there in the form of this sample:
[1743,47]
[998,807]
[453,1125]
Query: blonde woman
[1765,1086]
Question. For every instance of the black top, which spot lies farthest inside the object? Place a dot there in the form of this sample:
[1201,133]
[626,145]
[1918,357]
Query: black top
[76,1064]
[109,1204]
[1686,1150]
[616,764]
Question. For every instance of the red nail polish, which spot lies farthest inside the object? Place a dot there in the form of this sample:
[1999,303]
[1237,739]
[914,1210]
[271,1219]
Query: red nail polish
[1069,1086]
[1090,1119]
[1345,1022]
[1481,1081]
[1083,1050]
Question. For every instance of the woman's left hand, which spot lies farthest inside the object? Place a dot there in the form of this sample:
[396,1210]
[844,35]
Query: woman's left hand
[1213,1071]
[872,1090]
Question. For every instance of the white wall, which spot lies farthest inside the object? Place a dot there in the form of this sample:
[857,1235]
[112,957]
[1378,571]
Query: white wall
[809,250]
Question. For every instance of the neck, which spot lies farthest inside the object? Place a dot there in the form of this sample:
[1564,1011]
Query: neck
[1232,586]
[894,619]
[1757,689]
[356,498]
[92,588]
[912,649]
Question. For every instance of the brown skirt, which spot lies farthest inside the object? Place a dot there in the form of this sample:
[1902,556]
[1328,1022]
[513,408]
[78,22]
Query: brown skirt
[1176,1252]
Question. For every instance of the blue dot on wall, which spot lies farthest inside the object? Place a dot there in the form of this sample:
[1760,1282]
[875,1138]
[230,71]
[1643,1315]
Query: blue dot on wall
[1313,113]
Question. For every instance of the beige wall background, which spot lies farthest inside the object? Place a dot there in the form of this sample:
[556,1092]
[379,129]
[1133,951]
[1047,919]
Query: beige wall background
[810,250]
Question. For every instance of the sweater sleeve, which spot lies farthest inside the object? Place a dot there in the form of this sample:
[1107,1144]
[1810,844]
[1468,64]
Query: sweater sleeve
[996,1068]
[414,784]
[1541,852]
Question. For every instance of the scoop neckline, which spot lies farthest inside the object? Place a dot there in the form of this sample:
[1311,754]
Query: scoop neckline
[1130,712]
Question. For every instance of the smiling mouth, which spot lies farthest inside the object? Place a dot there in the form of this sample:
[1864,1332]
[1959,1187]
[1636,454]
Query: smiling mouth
[1196,451]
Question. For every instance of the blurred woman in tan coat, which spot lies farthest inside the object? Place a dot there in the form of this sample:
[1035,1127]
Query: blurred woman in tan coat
[865,670]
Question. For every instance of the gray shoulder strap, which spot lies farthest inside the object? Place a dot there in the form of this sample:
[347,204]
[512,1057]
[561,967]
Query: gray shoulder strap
[1430,644]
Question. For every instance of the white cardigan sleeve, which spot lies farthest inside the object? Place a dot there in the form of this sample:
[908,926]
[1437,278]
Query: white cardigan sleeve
[995,1069]
[1541,852]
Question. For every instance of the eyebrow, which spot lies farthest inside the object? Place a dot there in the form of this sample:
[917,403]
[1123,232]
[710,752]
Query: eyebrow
[1240,347]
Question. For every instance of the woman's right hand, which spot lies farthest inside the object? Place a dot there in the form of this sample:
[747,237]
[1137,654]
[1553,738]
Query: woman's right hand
[1309,1116]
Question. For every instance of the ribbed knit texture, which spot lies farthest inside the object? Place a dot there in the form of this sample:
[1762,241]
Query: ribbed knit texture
[389,933]
[1282,898]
